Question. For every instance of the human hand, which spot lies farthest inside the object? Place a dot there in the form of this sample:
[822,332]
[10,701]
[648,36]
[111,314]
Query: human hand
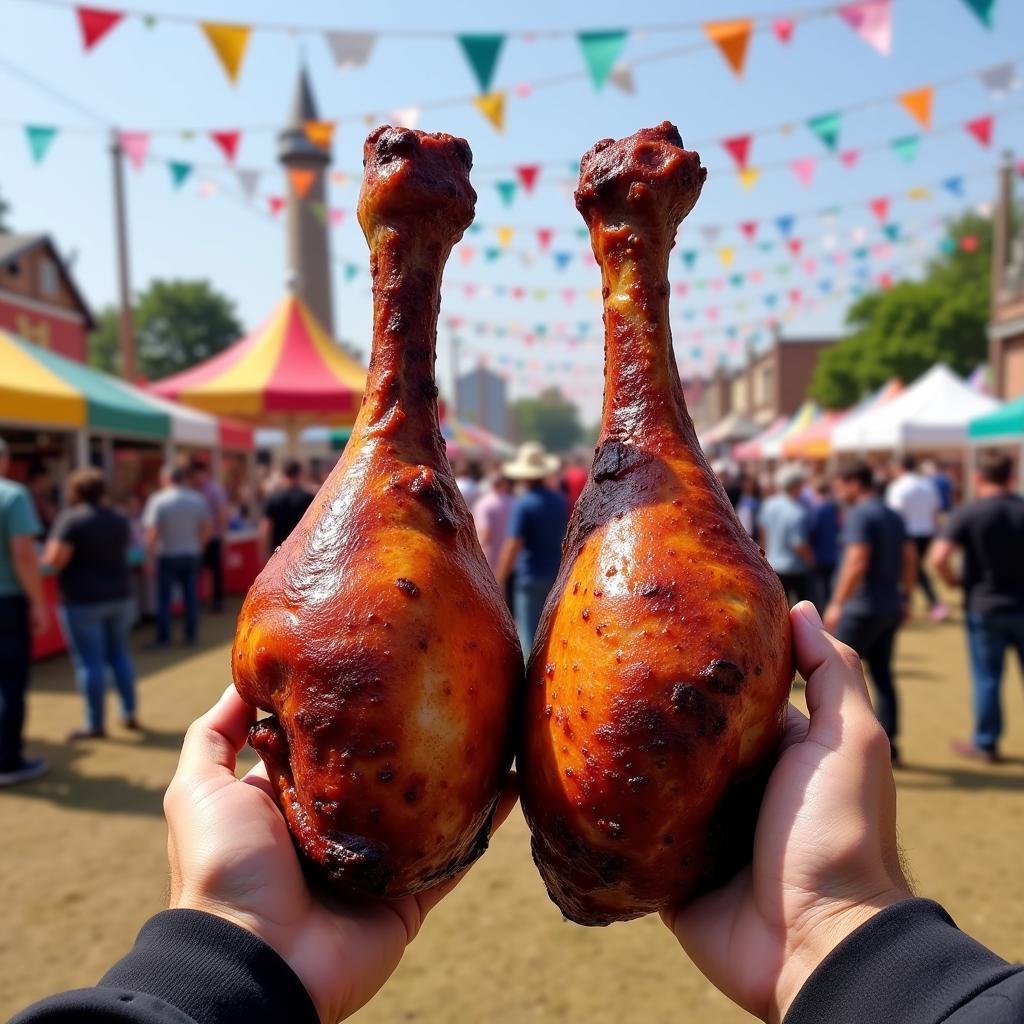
[825,852]
[230,854]
[40,615]
[833,613]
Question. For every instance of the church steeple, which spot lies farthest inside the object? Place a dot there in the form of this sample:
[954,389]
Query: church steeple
[308,241]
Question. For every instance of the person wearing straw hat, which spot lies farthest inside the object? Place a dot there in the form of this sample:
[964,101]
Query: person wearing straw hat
[534,545]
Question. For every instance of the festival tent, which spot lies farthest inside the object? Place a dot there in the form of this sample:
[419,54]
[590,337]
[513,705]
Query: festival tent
[1004,426]
[752,450]
[807,414]
[933,412]
[733,428]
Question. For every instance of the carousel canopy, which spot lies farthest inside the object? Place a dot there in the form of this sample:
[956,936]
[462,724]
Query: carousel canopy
[287,372]
[1005,424]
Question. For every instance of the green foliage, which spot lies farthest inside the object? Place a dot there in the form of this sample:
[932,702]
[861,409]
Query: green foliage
[903,331]
[550,418]
[177,324]
[5,210]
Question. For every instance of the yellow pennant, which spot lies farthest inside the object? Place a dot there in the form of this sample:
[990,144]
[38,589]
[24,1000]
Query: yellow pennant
[492,106]
[229,42]
[918,104]
[320,133]
[726,254]
[919,192]
[301,180]
[748,177]
[505,236]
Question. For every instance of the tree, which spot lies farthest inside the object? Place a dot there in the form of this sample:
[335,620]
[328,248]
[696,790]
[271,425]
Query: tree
[549,418]
[5,209]
[177,324]
[904,330]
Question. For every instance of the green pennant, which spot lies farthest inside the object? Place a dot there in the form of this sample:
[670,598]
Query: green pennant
[179,172]
[689,258]
[507,191]
[574,168]
[475,228]
[492,253]
[600,51]
[737,279]
[826,127]
[482,52]
[892,232]
[39,137]
[983,9]
[351,269]
[905,147]
[319,211]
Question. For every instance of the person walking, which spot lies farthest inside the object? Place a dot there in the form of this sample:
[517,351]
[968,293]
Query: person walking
[873,586]
[823,533]
[492,515]
[177,522]
[534,544]
[22,613]
[784,525]
[918,502]
[989,533]
[286,504]
[216,499]
[88,547]
[749,505]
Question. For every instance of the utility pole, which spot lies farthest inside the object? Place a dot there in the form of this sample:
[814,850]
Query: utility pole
[127,332]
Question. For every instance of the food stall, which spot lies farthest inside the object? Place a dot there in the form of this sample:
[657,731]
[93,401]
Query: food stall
[1003,428]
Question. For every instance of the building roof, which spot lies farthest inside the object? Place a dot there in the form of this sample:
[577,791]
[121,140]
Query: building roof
[13,247]
[293,142]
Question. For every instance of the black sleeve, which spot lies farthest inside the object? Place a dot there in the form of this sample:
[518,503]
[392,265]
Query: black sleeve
[910,964]
[187,968]
[956,526]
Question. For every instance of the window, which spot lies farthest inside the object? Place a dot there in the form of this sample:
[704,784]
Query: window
[13,268]
[49,280]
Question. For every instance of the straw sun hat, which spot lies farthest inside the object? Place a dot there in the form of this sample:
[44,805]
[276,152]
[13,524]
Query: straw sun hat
[532,462]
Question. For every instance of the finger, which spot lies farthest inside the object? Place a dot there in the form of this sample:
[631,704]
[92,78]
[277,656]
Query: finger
[213,741]
[795,729]
[258,778]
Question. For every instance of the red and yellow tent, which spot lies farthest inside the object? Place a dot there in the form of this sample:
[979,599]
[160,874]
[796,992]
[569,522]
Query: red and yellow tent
[288,373]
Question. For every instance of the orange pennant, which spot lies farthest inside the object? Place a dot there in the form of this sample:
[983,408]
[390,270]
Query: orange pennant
[492,106]
[301,180]
[320,133]
[731,38]
[918,103]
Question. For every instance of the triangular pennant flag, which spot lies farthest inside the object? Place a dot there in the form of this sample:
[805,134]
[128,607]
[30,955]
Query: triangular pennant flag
[320,133]
[544,236]
[351,270]
[849,157]
[562,259]
[731,38]
[227,143]
[749,176]
[783,29]
[749,229]
[301,180]
[179,172]
[275,204]
[95,23]
[1000,78]
[954,186]
[983,9]
[229,42]
[482,52]
[492,106]
[906,147]
[491,253]
[405,117]
[918,103]
[135,146]
[527,175]
[689,257]
[249,181]
[804,169]
[600,52]
[39,137]
[622,78]
[727,254]
[738,147]
[826,127]
[350,49]
[879,207]
[785,224]
[892,232]
[319,211]
[507,191]
[505,235]
[981,129]
[872,21]
[794,245]
[919,192]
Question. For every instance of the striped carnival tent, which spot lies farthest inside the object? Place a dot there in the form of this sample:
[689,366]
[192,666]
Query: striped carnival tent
[752,450]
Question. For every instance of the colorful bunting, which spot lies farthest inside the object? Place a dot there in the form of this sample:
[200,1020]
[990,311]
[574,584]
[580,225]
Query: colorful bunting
[918,103]
[95,23]
[906,147]
[407,117]
[350,49]
[276,204]
[492,106]
[731,38]
[891,231]
[849,157]
[826,128]
[180,172]
[954,185]
[879,207]
[544,237]
[1000,79]
[981,129]
[528,175]
[482,52]
[227,142]
[689,257]
[748,177]
[562,259]
[804,169]
[969,243]
[872,21]
[738,147]
[622,78]
[794,245]
[319,211]
[505,236]
[749,229]
[319,133]
[783,29]
[507,191]
[600,52]
[727,254]
[229,42]
[249,182]
[785,224]
[135,146]
[301,180]
[40,137]
[983,9]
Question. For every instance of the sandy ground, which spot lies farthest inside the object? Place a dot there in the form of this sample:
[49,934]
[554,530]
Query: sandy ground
[82,861]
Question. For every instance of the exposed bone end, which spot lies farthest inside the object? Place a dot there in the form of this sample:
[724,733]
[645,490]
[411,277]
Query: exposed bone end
[417,176]
[649,173]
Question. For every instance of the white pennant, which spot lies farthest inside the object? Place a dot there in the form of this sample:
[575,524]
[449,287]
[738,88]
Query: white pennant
[249,181]
[622,78]
[406,117]
[1000,78]
[351,49]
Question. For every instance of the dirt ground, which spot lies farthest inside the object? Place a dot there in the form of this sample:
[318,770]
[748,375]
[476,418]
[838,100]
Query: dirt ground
[82,860]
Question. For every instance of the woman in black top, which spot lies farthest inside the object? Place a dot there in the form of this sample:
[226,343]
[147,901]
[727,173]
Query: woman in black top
[88,547]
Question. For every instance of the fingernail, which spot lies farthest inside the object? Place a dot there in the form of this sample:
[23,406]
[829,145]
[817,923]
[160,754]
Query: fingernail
[809,612]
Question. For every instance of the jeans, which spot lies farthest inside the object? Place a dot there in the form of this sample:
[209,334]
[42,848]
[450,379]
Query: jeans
[922,544]
[98,637]
[183,570]
[15,658]
[988,637]
[873,638]
[213,559]
[529,596]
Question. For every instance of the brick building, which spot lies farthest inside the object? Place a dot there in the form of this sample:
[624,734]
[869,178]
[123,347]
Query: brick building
[1006,327]
[481,397]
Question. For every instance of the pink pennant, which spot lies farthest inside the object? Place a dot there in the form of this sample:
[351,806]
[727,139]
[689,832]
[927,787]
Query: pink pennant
[135,146]
[738,147]
[712,313]
[717,284]
[680,288]
[336,216]
[749,229]
[517,292]
[872,21]
[544,236]
[885,280]
[466,254]
[276,204]
[523,90]
[227,142]
[794,245]
[794,295]
[804,169]
[880,207]
[981,129]
[783,29]
[810,265]
[839,258]
[849,157]
[469,290]
[527,175]
[569,295]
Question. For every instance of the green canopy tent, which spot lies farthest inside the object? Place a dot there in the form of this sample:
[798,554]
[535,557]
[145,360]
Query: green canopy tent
[999,429]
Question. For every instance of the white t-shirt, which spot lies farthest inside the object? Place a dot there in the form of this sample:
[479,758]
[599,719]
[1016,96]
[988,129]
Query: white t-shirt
[918,501]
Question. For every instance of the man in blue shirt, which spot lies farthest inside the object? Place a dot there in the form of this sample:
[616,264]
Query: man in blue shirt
[823,534]
[22,612]
[784,525]
[534,545]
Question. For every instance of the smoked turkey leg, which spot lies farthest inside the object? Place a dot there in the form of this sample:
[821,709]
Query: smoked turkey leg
[376,635]
[659,678]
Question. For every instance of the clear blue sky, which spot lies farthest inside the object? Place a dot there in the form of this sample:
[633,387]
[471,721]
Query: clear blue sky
[166,77]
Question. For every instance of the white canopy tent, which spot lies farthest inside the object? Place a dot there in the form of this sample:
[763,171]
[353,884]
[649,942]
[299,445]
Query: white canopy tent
[932,413]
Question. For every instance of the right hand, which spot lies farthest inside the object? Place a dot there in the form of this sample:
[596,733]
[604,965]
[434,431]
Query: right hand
[825,852]
[40,615]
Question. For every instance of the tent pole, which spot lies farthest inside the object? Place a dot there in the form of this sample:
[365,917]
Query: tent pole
[292,440]
[81,449]
[969,471]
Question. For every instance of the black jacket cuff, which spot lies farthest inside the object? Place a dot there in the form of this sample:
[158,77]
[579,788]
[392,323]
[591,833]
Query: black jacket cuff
[910,963]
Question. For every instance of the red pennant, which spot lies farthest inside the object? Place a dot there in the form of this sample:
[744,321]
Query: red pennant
[849,157]
[783,29]
[276,204]
[794,295]
[981,129]
[517,293]
[527,175]
[544,236]
[880,207]
[738,147]
[969,243]
[95,23]
[749,229]
[885,281]
[228,143]
[680,288]
[794,245]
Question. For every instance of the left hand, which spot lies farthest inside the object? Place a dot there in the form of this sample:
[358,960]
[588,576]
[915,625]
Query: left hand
[231,854]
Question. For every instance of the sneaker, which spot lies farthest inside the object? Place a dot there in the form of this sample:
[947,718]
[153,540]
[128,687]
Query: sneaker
[939,613]
[25,772]
[974,753]
[86,734]
[131,722]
